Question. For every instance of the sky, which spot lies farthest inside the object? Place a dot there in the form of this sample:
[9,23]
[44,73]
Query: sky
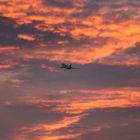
[41,101]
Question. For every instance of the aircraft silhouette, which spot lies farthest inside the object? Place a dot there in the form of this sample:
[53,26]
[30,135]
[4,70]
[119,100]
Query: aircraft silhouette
[66,66]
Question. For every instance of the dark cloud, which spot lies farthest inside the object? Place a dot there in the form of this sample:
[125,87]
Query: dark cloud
[19,115]
[10,30]
[91,7]
[114,12]
[115,76]
[112,124]
[59,3]
[134,50]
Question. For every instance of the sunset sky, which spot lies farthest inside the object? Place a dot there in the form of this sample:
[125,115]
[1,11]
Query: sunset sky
[99,101]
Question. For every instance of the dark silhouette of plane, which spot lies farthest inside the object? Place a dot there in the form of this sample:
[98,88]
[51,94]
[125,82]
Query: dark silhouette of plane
[66,66]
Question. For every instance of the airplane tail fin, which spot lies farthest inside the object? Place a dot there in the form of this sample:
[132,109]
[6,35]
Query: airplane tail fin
[70,65]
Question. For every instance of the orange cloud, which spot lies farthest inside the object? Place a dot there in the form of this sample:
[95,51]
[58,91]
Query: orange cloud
[124,60]
[108,98]
[50,137]
[122,34]
[9,64]
[120,38]
[7,53]
[85,100]
[49,129]
[80,101]
[5,66]
[8,49]
[16,82]
[66,122]
[26,37]
[107,34]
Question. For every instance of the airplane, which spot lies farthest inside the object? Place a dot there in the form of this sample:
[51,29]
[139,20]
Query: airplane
[66,66]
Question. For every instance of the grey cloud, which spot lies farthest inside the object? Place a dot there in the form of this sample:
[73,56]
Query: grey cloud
[89,76]
[59,3]
[134,50]
[115,124]
[15,117]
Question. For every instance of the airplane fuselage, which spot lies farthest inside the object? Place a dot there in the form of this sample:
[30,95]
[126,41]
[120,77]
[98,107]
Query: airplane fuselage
[66,66]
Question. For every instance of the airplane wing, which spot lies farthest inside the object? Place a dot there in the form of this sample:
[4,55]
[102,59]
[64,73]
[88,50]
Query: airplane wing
[75,68]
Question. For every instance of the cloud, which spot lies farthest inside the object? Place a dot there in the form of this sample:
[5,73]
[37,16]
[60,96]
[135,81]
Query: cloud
[128,57]
[60,4]
[115,128]
[25,37]
[53,31]
[61,113]
[91,76]
[98,101]
[134,50]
